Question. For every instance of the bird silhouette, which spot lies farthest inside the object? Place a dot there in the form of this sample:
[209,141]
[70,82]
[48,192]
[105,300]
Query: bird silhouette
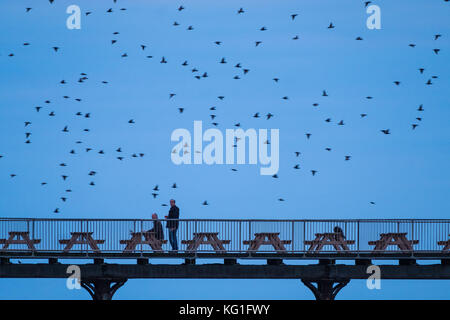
[61,115]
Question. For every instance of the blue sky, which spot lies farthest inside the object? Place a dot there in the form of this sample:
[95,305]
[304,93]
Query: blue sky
[405,173]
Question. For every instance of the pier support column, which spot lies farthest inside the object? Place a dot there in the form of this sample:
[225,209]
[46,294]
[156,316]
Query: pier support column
[102,289]
[326,288]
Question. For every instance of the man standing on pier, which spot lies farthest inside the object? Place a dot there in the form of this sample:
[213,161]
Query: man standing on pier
[172,225]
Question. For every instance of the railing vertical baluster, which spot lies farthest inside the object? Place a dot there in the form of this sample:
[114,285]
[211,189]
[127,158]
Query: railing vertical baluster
[304,235]
[81,230]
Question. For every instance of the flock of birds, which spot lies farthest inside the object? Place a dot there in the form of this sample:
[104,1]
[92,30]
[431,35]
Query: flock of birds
[46,107]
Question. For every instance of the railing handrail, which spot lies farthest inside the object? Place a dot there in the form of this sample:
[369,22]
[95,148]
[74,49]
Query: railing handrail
[402,220]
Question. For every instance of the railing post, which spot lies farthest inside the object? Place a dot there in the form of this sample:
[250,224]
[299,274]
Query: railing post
[357,236]
[292,223]
[87,230]
[142,234]
[249,231]
[32,229]
[81,230]
[187,223]
[240,236]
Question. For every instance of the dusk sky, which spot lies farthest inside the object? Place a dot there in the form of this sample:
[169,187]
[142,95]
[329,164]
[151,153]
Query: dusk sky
[403,174]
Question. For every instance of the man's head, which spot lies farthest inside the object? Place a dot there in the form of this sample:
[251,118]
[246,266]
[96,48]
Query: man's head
[172,202]
[154,216]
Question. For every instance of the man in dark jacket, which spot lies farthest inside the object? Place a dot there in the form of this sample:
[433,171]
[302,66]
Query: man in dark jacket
[172,225]
[157,228]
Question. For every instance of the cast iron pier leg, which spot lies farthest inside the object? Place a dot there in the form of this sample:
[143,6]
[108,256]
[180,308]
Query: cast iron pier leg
[325,289]
[102,289]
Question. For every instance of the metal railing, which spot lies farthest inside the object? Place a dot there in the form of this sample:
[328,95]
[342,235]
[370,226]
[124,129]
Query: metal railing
[295,234]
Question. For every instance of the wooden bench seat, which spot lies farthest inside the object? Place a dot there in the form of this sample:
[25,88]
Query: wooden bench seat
[66,241]
[266,242]
[192,241]
[374,243]
[35,241]
[313,242]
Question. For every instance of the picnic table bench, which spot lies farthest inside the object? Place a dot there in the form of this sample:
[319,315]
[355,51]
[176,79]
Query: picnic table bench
[336,239]
[81,238]
[19,237]
[266,238]
[393,239]
[210,238]
[149,238]
[445,243]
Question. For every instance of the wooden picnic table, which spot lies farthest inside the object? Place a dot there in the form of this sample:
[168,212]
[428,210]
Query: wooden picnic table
[149,239]
[210,238]
[267,238]
[445,243]
[19,237]
[335,239]
[393,239]
[81,238]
